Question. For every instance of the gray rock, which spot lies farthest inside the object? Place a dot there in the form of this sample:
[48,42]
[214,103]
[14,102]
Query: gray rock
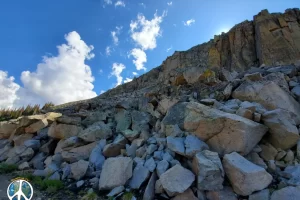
[282,128]
[162,167]
[187,195]
[24,166]
[140,120]
[150,164]
[268,152]
[167,157]
[174,162]
[173,130]
[140,175]
[114,149]
[66,172]
[140,152]
[123,119]
[261,195]
[289,156]
[55,176]
[96,131]
[245,113]
[94,182]
[131,134]
[287,193]
[115,172]
[151,148]
[255,178]
[176,144]
[193,145]
[34,144]
[152,140]
[208,168]
[177,180]
[131,150]
[38,161]
[96,158]
[158,187]
[149,192]
[254,158]
[225,194]
[138,161]
[39,172]
[78,169]
[158,155]
[296,92]
[116,191]
[79,183]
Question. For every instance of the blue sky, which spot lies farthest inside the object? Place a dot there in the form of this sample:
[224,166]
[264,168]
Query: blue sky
[68,50]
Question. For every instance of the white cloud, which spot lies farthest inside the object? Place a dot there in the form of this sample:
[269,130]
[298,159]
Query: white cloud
[120,3]
[100,71]
[140,58]
[170,3]
[144,32]
[117,69]
[115,34]
[108,50]
[62,78]
[168,49]
[135,73]
[127,80]
[8,89]
[108,1]
[189,22]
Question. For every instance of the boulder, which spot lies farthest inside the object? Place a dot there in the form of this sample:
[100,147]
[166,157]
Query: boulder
[78,169]
[223,132]
[268,152]
[7,128]
[268,94]
[62,131]
[140,120]
[187,195]
[140,175]
[79,153]
[282,128]
[69,120]
[115,172]
[225,194]
[96,131]
[209,170]
[115,191]
[193,145]
[20,139]
[123,119]
[34,144]
[35,127]
[131,134]
[161,167]
[165,104]
[287,193]
[177,180]
[114,149]
[94,117]
[150,164]
[245,177]
[96,158]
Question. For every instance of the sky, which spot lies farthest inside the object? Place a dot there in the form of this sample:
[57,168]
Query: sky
[67,50]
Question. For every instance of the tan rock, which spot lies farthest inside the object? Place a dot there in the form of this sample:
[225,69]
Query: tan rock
[187,195]
[78,169]
[20,139]
[7,128]
[225,194]
[63,131]
[35,127]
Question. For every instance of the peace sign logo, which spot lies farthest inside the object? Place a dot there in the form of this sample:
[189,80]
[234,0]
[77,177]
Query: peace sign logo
[20,190]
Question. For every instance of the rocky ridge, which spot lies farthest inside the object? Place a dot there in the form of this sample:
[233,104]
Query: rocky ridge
[219,121]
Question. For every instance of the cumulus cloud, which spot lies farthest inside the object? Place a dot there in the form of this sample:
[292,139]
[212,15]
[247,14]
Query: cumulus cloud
[127,80]
[144,32]
[170,3]
[108,50]
[189,22]
[114,34]
[135,73]
[120,3]
[108,1]
[117,69]
[140,58]
[62,78]
[8,89]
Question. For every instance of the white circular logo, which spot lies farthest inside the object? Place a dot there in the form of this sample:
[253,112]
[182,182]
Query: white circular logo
[20,190]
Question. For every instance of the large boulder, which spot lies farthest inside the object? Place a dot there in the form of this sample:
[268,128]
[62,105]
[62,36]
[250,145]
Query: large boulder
[165,104]
[7,129]
[223,132]
[63,131]
[209,170]
[96,131]
[245,177]
[282,128]
[287,193]
[268,94]
[115,172]
[79,169]
[176,180]
[35,127]
[123,119]
[79,153]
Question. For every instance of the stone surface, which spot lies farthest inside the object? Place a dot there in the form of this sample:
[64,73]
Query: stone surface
[282,127]
[115,172]
[170,180]
[193,145]
[62,131]
[96,158]
[162,167]
[225,194]
[114,149]
[78,169]
[176,144]
[287,193]
[268,152]
[261,195]
[149,192]
[96,131]
[116,191]
[187,195]
[209,170]
[245,176]
[140,175]
[150,164]
[35,127]
[223,132]
[123,119]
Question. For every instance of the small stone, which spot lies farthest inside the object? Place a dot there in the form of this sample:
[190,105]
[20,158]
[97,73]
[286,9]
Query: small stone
[158,187]
[280,155]
[24,166]
[268,152]
[177,180]
[151,148]
[140,175]
[257,117]
[193,145]
[150,164]
[245,113]
[78,169]
[149,192]
[176,144]
[162,167]
[116,191]
[187,195]
[225,194]
[80,183]
[167,157]
[289,156]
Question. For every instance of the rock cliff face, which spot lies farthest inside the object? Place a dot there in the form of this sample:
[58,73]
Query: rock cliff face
[209,123]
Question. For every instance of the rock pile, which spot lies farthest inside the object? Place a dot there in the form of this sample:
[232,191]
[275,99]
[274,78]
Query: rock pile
[237,140]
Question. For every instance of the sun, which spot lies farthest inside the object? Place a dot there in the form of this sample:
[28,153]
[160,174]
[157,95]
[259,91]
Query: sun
[221,30]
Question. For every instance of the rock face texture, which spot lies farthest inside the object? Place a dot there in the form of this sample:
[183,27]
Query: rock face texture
[219,121]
